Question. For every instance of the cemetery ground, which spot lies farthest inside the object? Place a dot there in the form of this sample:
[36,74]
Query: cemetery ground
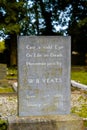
[8,97]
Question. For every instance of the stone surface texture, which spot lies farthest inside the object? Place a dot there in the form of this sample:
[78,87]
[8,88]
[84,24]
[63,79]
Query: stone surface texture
[44,75]
[60,122]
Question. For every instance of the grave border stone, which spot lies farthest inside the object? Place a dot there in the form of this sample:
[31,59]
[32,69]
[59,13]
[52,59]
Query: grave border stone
[58,122]
[3,70]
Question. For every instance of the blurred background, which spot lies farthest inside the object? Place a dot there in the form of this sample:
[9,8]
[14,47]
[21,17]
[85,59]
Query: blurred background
[43,17]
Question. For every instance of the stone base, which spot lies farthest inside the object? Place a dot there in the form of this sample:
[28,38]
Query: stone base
[60,122]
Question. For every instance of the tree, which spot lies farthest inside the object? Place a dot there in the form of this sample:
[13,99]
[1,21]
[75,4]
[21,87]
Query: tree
[12,15]
[78,28]
[46,15]
[41,17]
[28,17]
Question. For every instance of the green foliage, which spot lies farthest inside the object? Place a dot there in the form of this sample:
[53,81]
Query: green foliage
[12,15]
[12,73]
[27,17]
[83,22]
[2,46]
[5,89]
[41,17]
[3,124]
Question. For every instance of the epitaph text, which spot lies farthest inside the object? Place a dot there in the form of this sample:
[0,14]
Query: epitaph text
[44,75]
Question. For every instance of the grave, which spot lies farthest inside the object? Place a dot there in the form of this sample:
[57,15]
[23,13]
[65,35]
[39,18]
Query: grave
[3,70]
[44,85]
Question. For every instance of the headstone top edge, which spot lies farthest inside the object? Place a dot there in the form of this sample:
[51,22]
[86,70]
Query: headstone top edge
[45,36]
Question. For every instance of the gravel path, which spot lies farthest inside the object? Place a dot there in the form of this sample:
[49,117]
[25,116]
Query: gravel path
[8,105]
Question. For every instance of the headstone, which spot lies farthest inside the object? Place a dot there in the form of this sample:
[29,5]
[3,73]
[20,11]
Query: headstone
[3,70]
[44,85]
[44,75]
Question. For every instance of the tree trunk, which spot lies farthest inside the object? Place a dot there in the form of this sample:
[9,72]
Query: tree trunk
[13,50]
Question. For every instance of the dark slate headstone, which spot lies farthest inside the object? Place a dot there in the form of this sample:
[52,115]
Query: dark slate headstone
[44,75]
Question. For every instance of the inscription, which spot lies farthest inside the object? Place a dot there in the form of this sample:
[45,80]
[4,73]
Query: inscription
[34,55]
[44,64]
[56,101]
[33,52]
[48,80]
[47,47]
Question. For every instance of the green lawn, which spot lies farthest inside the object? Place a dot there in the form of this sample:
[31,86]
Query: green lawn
[6,90]
[79,76]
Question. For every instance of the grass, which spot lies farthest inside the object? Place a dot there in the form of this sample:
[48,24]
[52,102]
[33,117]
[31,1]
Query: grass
[5,87]
[80,76]
[6,90]
[12,73]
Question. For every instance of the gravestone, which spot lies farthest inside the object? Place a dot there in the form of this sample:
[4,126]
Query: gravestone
[44,85]
[44,75]
[3,70]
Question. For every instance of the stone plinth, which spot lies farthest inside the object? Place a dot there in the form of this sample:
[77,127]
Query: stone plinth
[60,122]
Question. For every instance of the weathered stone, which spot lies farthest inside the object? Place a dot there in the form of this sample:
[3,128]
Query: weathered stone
[4,83]
[44,75]
[3,70]
[60,122]
[78,85]
[44,85]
